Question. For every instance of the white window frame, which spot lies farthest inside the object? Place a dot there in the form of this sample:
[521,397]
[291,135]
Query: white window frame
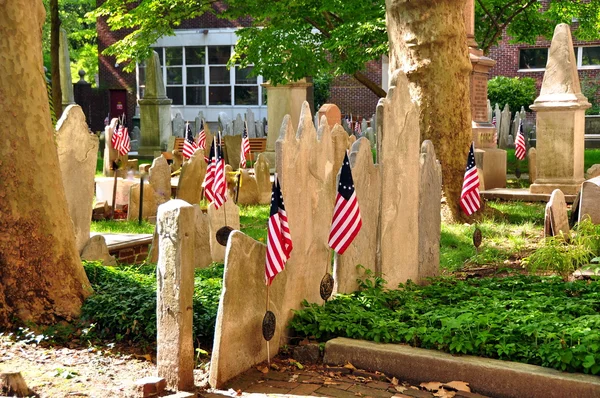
[578,56]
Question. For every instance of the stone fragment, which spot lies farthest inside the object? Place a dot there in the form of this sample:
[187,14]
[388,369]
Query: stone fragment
[593,171]
[202,256]
[307,354]
[174,292]
[95,249]
[589,203]
[263,180]
[150,204]
[150,386]
[100,211]
[430,198]
[191,178]
[77,153]
[160,178]
[332,114]
[233,145]
[556,216]
[178,125]
[226,215]
[532,163]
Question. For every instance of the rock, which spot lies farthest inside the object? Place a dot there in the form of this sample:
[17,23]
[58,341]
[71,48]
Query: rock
[96,250]
[101,211]
[307,354]
[150,386]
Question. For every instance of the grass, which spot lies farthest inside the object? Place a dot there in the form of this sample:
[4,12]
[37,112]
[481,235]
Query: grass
[122,227]
[591,157]
[253,221]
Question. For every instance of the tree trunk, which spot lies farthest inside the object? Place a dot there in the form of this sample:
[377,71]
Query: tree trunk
[41,276]
[370,84]
[54,58]
[428,42]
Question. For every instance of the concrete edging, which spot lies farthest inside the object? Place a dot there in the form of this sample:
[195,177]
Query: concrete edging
[501,379]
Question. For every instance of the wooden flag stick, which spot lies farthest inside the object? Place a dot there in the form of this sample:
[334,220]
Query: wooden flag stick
[268,345]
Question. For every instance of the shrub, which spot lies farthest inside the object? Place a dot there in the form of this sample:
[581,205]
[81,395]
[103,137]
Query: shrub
[322,89]
[591,89]
[516,92]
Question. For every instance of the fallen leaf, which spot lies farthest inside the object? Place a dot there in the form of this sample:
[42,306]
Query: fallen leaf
[394,381]
[444,393]
[349,366]
[238,393]
[262,369]
[431,385]
[330,383]
[400,388]
[274,366]
[458,386]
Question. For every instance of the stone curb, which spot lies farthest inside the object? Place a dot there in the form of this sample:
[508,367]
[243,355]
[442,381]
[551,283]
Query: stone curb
[492,377]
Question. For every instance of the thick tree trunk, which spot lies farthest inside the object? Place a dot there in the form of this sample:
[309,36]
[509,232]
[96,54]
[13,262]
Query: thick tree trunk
[41,276]
[54,57]
[428,42]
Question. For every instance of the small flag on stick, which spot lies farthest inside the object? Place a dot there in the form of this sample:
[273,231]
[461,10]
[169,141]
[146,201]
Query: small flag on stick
[245,148]
[120,140]
[189,145]
[209,177]
[346,220]
[520,148]
[469,198]
[220,184]
[201,140]
[279,240]
[495,130]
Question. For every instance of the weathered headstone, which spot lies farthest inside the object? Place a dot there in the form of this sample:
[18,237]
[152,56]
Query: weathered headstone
[251,123]
[160,178]
[340,145]
[150,204]
[95,249]
[532,162]
[589,203]
[556,221]
[226,215]
[560,120]
[112,155]
[77,153]
[511,141]
[202,257]
[593,171]
[504,128]
[178,125]
[238,125]
[198,121]
[263,180]
[363,126]
[363,250]
[514,128]
[370,134]
[66,84]
[136,135]
[174,293]
[351,140]
[248,189]
[430,198]
[332,114]
[260,129]
[225,124]
[233,145]
[191,178]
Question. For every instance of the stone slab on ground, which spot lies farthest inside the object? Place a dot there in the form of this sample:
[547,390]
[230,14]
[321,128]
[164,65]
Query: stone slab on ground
[493,377]
[521,194]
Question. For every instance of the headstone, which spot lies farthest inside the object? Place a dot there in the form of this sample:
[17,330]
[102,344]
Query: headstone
[233,145]
[150,204]
[340,145]
[260,129]
[515,124]
[490,110]
[263,180]
[522,114]
[77,154]
[191,178]
[248,189]
[160,178]
[135,138]
[112,155]
[364,126]
[363,250]
[155,110]
[532,162]
[346,126]
[178,125]
[589,203]
[225,124]
[238,125]
[251,123]
[556,220]
[95,249]
[332,114]
[593,171]
[198,121]
[66,84]
[351,140]
[202,257]
[174,293]
[498,115]
[560,120]
[504,128]
[316,120]
[123,188]
[511,141]
[226,215]
[430,198]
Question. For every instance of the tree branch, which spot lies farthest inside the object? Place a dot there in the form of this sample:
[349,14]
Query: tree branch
[318,27]
[501,28]
[370,84]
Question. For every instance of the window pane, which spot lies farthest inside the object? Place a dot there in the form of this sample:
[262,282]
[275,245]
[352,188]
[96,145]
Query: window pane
[159,51]
[142,75]
[194,55]
[174,75]
[246,95]
[531,58]
[195,75]
[219,54]
[241,76]
[590,56]
[219,95]
[176,94]
[219,75]
[174,55]
[195,95]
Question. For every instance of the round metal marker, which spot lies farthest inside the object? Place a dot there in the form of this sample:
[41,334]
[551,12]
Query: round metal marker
[326,286]
[223,235]
[268,325]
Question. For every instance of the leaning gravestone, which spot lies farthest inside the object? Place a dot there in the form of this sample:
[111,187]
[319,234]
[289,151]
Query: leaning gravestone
[160,178]
[77,154]
[174,295]
[150,204]
[556,220]
[251,123]
[95,249]
[202,257]
[263,180]
[191,178]
[226,215]
[178,125]
[589,203]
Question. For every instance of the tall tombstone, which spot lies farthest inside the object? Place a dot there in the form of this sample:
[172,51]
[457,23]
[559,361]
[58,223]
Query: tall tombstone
[233,145]
[263,180]
[363,250]
[332,114]
[111,154]
[504,128]
[155,110]
[226,215]
[160,178]
[66,84]
[77,153]
[198,121]
[399,158]
[174,295]
[191,178]
[225,123]
[430,199]
[238,125]
[178,125]
[560,120]
[251,123]
[202,256]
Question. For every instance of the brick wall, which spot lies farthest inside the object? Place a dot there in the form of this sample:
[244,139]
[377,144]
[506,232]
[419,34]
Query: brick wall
[354,98]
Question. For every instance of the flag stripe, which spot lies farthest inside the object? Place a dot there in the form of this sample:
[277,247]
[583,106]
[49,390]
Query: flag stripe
[469,197]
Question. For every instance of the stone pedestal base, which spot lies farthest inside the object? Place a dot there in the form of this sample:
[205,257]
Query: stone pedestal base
[483,135]
[568,187]
[155,116]
[492,162]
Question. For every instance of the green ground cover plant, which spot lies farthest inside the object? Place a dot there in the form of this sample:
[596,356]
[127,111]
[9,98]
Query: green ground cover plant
[122,227]
[537,320]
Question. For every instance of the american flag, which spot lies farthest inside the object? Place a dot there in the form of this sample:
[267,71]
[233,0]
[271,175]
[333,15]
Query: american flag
[120,140]
[469,197]
[279,240]
[520,147]
[245,148]
[189,146]
[209,177]
[357,128]
[495,130]
[201,140]
[346,220]
[214,183]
